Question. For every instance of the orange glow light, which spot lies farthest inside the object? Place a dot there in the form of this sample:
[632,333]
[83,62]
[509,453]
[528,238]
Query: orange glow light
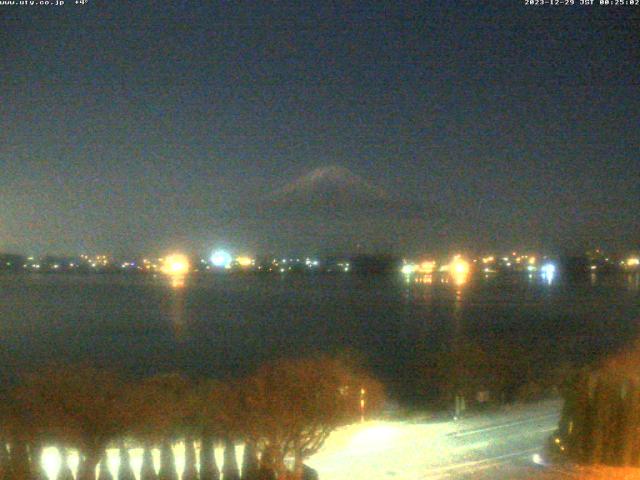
[244,261]
[427,267]
[176,264]
[459,270]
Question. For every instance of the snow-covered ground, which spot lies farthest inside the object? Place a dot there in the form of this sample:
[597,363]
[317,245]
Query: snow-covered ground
[495,446]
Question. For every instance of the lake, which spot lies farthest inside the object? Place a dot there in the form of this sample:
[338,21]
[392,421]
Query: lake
[224,325]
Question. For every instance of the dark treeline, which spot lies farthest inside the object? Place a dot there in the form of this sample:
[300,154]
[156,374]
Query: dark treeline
[485,374]
[600,419]
[282,413]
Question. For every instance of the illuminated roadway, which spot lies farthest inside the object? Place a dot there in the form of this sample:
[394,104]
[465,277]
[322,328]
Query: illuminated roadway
[497,445]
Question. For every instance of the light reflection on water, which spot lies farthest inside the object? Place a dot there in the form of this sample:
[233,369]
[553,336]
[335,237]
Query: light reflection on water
[177,281]
[224,324]
[177,310]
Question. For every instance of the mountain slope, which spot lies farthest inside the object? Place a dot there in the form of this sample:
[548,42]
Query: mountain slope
[336,192]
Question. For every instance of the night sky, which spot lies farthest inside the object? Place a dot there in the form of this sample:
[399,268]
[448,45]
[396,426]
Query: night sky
[138,127]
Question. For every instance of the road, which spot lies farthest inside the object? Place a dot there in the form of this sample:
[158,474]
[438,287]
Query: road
[495,446]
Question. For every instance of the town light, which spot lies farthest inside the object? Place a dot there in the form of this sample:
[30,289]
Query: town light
[548,269]
[459,270]
[176,264]
[221,259]
[245,261]
[427,267]
[409,268]
[548,272]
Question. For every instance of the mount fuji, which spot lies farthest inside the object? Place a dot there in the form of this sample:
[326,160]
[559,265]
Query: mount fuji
[336,192]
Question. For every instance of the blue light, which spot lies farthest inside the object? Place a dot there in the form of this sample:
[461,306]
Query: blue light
[221,259]
[548,271]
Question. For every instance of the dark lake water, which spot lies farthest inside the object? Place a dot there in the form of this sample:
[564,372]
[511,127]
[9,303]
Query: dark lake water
[225,325]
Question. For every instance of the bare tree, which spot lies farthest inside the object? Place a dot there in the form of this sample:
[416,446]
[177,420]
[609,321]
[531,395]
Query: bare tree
[208,467]
[249,462]
[169,407]
[163,407]
[125,472]
[190,469]
[103,470]
[217,418]
[18,431]
[167,462]
[294,405]
[230,465]
[79,406]
[288,408]
[4,459]
[147,470]
[65,472]
[600,418]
